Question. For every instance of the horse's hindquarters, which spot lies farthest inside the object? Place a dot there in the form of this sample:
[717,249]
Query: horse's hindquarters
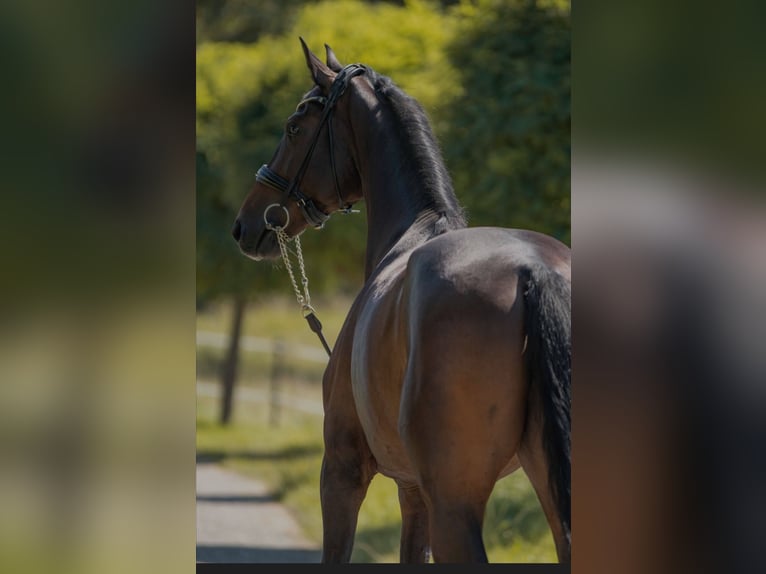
[463,400]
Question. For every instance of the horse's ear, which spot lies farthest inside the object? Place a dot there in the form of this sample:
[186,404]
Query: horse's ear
[322,75]
[332,60]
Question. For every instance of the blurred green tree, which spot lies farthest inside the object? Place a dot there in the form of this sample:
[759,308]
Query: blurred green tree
[243,20]
[507,136]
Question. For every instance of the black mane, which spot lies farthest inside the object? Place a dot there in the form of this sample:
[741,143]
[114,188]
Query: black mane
[421,157]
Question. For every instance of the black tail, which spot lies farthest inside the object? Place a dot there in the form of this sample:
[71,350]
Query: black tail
[547,305]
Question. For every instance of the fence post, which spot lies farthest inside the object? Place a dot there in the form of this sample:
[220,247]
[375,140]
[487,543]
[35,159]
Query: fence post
[275,385]
[231,362]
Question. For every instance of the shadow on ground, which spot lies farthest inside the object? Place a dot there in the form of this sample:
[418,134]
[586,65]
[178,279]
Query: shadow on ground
[254,554]
[236,499]
[216,456]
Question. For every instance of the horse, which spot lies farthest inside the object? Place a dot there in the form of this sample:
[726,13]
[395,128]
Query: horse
[453,366]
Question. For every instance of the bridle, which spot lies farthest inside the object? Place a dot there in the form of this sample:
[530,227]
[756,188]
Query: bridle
[311,212]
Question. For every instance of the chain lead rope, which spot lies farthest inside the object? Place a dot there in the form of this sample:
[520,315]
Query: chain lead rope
[304,298]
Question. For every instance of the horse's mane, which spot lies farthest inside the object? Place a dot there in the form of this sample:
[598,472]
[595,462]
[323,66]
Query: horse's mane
[420,155]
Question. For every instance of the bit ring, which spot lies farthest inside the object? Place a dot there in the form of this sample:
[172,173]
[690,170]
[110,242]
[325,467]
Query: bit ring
[272,226]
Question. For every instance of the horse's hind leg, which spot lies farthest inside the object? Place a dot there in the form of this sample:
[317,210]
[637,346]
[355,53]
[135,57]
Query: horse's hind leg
[535,465]
[456,486]
[415,539]
[347,469]
[451,426]
[456,532]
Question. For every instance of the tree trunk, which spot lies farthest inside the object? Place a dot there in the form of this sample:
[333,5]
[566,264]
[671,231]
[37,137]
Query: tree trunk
[229,367]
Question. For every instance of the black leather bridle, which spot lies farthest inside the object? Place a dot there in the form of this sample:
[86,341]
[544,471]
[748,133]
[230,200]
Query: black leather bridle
[314,216]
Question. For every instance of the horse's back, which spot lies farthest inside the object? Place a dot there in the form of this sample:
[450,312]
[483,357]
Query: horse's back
[464,282]
[478,252]
[475,270]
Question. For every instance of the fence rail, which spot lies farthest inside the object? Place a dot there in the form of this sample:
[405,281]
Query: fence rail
[280,351]
[261,345]
[258,396]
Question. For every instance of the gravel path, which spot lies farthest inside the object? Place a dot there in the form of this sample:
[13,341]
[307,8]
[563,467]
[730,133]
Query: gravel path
[239,521]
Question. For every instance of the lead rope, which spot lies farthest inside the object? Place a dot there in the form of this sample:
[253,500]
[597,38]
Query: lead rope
[304,299]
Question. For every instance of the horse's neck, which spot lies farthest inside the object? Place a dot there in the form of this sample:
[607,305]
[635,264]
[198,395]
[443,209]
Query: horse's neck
[395,221]
[390,227]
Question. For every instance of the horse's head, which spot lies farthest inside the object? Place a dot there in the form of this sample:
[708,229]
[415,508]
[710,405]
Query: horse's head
[312,173]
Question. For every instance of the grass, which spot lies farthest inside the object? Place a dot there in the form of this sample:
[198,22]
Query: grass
[288,457]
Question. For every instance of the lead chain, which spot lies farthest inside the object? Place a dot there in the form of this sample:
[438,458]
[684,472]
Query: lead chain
[304,299]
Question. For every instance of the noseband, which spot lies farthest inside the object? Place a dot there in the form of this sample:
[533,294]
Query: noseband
[314,216]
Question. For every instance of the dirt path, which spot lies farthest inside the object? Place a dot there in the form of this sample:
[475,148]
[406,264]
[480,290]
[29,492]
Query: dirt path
[239,521]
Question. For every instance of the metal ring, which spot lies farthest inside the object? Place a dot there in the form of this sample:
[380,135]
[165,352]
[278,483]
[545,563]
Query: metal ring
[307,310]
[271,226]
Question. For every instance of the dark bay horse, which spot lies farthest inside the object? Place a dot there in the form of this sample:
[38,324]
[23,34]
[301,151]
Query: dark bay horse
[453,366]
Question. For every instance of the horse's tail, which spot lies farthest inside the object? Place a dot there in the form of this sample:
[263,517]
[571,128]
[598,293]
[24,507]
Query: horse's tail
[547,306]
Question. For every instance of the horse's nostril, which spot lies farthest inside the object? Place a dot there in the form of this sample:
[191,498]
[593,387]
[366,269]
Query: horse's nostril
[236,231]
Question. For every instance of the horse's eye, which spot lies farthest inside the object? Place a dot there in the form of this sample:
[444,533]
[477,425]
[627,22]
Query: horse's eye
[292,130]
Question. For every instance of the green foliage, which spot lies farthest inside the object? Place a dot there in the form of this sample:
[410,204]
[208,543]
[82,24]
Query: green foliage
[507,137]
[221,268]
[243,20]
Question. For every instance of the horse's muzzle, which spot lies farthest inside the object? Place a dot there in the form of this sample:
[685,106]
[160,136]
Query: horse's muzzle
[255,241]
